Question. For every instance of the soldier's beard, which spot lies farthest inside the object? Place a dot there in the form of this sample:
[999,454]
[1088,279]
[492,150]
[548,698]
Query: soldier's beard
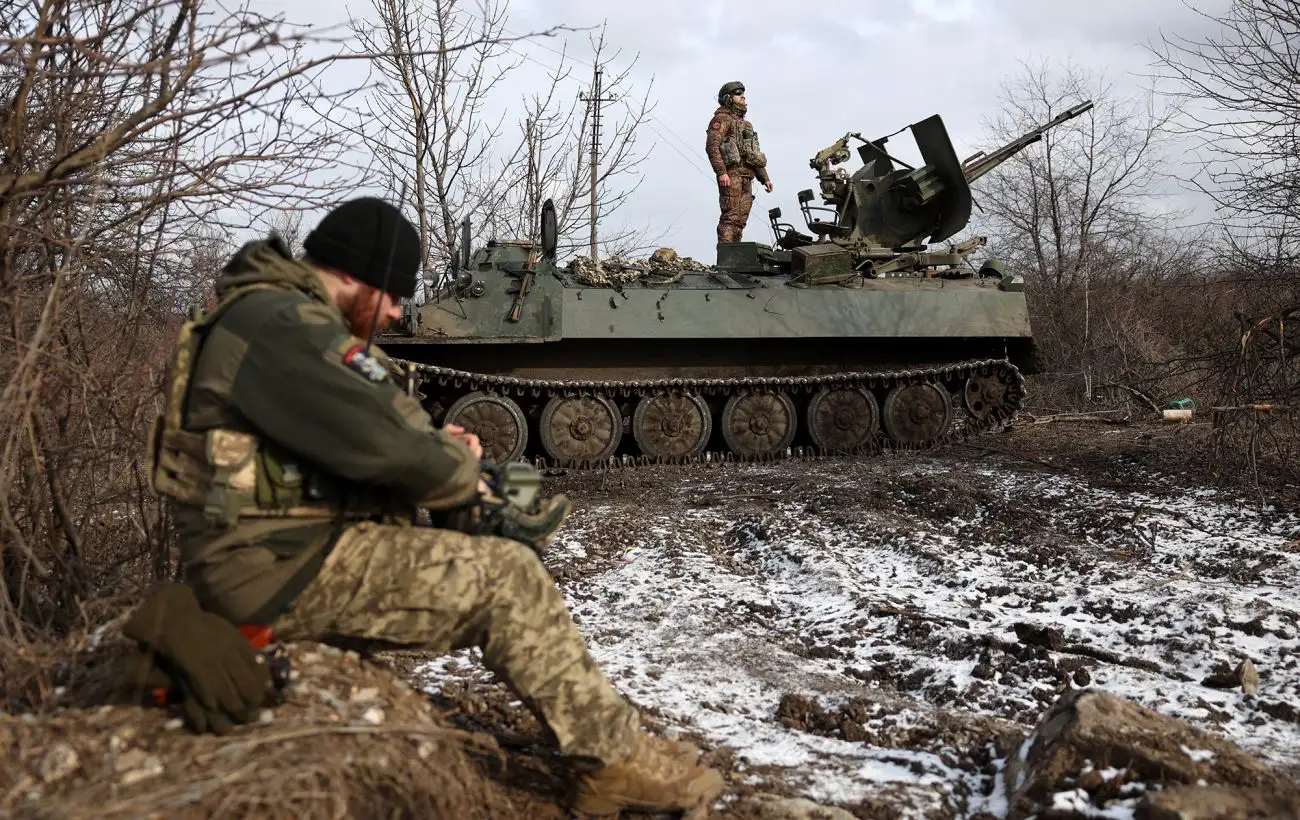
[360,313]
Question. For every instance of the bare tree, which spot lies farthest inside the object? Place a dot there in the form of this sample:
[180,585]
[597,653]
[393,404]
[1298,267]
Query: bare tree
[288,226]
[558,152]
[432,124]
[1077,212]
[1240,91]
[1086,186]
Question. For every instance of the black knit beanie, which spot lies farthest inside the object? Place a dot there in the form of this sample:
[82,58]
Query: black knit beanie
[360,237]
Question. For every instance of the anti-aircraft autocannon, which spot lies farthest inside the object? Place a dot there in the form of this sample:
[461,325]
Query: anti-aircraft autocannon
[879,215]
[854,337]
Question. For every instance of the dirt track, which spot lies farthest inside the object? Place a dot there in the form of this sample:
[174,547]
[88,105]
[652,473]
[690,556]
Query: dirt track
[879,634]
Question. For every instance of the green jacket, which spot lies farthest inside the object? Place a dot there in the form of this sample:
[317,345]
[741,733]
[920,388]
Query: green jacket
[282,364]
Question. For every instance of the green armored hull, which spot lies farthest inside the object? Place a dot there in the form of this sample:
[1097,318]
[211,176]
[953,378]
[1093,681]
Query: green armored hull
[834,343]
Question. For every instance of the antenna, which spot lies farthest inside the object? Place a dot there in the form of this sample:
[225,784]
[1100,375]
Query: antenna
[388,267]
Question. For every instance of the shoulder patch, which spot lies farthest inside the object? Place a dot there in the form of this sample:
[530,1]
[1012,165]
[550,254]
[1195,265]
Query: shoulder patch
[365,364]
[715,125]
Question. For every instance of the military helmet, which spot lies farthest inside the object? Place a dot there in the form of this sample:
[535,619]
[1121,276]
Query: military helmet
[724,93]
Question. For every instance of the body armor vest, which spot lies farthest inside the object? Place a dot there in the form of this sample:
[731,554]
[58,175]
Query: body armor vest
[742,148]
[231,474]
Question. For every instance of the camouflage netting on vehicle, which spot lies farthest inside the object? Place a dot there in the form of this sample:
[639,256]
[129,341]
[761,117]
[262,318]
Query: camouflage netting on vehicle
[662,267]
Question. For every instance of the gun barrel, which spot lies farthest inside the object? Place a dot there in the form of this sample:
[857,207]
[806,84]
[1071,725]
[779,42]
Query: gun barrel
[980,164]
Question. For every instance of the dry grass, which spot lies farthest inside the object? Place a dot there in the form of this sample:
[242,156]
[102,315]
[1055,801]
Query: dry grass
[350,740]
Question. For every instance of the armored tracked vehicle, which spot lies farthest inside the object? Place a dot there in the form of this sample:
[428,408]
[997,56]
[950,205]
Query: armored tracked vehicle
[852,337]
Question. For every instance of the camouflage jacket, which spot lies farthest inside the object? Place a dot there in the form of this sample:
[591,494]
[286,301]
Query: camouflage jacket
[281,364]
[732,146]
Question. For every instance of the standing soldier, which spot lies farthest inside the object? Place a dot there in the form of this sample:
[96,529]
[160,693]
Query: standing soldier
[732,146]
[296,466]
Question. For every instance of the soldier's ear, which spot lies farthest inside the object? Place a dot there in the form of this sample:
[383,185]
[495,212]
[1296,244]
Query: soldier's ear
[349,281]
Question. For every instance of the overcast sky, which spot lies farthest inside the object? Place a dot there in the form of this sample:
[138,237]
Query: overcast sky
[813,74]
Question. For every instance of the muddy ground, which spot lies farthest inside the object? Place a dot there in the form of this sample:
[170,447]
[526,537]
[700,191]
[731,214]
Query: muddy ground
[876,635]
[879,635]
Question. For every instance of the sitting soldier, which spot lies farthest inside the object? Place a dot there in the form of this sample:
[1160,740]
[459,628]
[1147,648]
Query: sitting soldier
[297,470]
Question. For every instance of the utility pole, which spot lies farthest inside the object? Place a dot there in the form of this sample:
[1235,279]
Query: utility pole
[594,101]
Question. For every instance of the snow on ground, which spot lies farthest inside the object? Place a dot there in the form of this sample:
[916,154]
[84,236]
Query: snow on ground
[899,600]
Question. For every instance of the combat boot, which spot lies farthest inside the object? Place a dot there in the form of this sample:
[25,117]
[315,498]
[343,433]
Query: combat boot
[661,776]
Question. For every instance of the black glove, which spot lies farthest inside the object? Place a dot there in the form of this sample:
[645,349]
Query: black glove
[534,527]
[221,678]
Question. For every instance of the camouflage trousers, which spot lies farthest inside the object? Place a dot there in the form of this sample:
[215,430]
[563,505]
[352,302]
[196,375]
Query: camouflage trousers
[735,201]
[443,591]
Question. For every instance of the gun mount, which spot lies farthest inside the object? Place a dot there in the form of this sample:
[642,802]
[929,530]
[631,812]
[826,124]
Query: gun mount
[877,218]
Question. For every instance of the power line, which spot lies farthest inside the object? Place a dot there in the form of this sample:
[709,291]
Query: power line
[691,160]
[670,132]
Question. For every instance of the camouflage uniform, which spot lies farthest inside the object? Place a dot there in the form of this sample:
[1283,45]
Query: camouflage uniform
[733,149]
[296,467]
[444,591]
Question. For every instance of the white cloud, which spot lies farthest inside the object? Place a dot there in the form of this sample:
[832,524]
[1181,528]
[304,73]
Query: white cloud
[814,73]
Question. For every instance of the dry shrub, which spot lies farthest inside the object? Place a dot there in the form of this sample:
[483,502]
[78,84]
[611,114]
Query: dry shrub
[135,125]
[1137,343]
[1222,336]
[1258,429]
[350,740]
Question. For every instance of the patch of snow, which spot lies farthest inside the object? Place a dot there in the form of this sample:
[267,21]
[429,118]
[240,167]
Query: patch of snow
[1077,801]
[709,614]
[1198,755]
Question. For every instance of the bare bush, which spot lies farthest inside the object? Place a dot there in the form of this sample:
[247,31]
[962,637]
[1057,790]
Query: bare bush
[1259,419]
[1240,88]
[1257,394]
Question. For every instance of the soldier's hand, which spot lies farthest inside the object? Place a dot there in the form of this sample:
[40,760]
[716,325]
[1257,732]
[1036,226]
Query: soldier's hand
[724,181]
[221,676]
[535,528]
[768,185]
[471,441]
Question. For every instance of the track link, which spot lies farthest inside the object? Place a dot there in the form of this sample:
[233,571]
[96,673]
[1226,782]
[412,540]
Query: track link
[964,425]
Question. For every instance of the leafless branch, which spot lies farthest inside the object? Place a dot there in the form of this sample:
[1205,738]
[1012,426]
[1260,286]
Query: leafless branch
[1239,88]
[137,136]
[435,123]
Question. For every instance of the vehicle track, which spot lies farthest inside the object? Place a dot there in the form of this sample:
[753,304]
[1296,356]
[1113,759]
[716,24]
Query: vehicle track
[581,424]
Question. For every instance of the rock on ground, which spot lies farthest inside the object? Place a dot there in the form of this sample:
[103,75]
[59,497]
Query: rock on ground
[1095,751]
[771,807]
